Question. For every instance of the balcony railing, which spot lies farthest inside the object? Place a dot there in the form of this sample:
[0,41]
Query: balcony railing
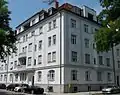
[21,67]
[22,55]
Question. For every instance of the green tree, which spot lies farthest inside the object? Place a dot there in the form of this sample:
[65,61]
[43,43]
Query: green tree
[109,34]
[7,36]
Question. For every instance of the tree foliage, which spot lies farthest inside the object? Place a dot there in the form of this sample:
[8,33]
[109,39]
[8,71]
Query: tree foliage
[109,34]
[7,36]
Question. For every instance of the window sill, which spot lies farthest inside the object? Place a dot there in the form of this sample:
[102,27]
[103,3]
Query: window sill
[52,61]
[51,80]
[40,63]
[52,29]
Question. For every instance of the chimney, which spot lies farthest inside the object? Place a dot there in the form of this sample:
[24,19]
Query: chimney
[56,4]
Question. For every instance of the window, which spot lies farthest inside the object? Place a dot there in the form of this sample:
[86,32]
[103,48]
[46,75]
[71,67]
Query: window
[54,56]
[108,62]
[94,60]
[34,61]
[49,57]
[54,39]
[93,45]
[96,30]
[23,38]
[39,76]
[40,45]
[16,77]
[74,56]
[1,77]
[15,64]
[73,39]
[49,41]
[22,76]
[35,48]
[50,27]
[87,76]
[5,66]
[118,63]
[73,23]
[5,77]
[100,60]
[92,30]
[33,21]
[32,33]
[74,74]
[54,23]
[109,77]
[26,37]
[117,52]
[51,75]
[99,76]
[1,67]
[25,48]
[90,16]
[86,28]
[29,61]
[86,43]
[41,30]
[40,59]
[11,77]
[30,47]
[87,58]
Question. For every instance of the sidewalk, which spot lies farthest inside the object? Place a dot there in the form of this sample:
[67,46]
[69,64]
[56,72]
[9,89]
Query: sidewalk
[79,93]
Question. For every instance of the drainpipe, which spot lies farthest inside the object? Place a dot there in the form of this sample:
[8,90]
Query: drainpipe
[60,50]
[7,69]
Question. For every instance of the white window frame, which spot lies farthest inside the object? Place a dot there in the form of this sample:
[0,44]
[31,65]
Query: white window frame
[74,56]
[73,75]
[40,59]
[73,39]
[54,56]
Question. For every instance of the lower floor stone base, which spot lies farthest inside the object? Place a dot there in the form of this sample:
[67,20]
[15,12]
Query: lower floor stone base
[72,88]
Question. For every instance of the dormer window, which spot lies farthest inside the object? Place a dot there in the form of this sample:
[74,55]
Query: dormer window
[33,21]
[41,16]
[90,16]
[26,26]
[19,30]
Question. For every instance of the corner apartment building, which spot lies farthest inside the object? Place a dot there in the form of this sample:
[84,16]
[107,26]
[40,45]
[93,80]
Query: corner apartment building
[56,49]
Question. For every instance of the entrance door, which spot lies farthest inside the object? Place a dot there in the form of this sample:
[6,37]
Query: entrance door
[30,78]
[118,81]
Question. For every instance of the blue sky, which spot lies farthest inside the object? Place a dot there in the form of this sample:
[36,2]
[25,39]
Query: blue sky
[23,9]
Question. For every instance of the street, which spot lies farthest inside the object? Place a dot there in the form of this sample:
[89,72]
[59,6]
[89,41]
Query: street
[5,92]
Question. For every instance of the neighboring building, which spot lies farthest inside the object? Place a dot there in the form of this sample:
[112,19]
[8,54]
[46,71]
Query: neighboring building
[56,49]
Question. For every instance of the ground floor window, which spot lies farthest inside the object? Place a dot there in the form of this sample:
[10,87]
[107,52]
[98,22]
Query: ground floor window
[5,77]
[39,75]
[16,77]
[11,77]
[51,75]
[22,76]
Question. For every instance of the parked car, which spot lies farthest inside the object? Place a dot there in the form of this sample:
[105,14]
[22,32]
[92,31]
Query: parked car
[111,89]
[2,86]
[12,86]
[21,87]
[34,90]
